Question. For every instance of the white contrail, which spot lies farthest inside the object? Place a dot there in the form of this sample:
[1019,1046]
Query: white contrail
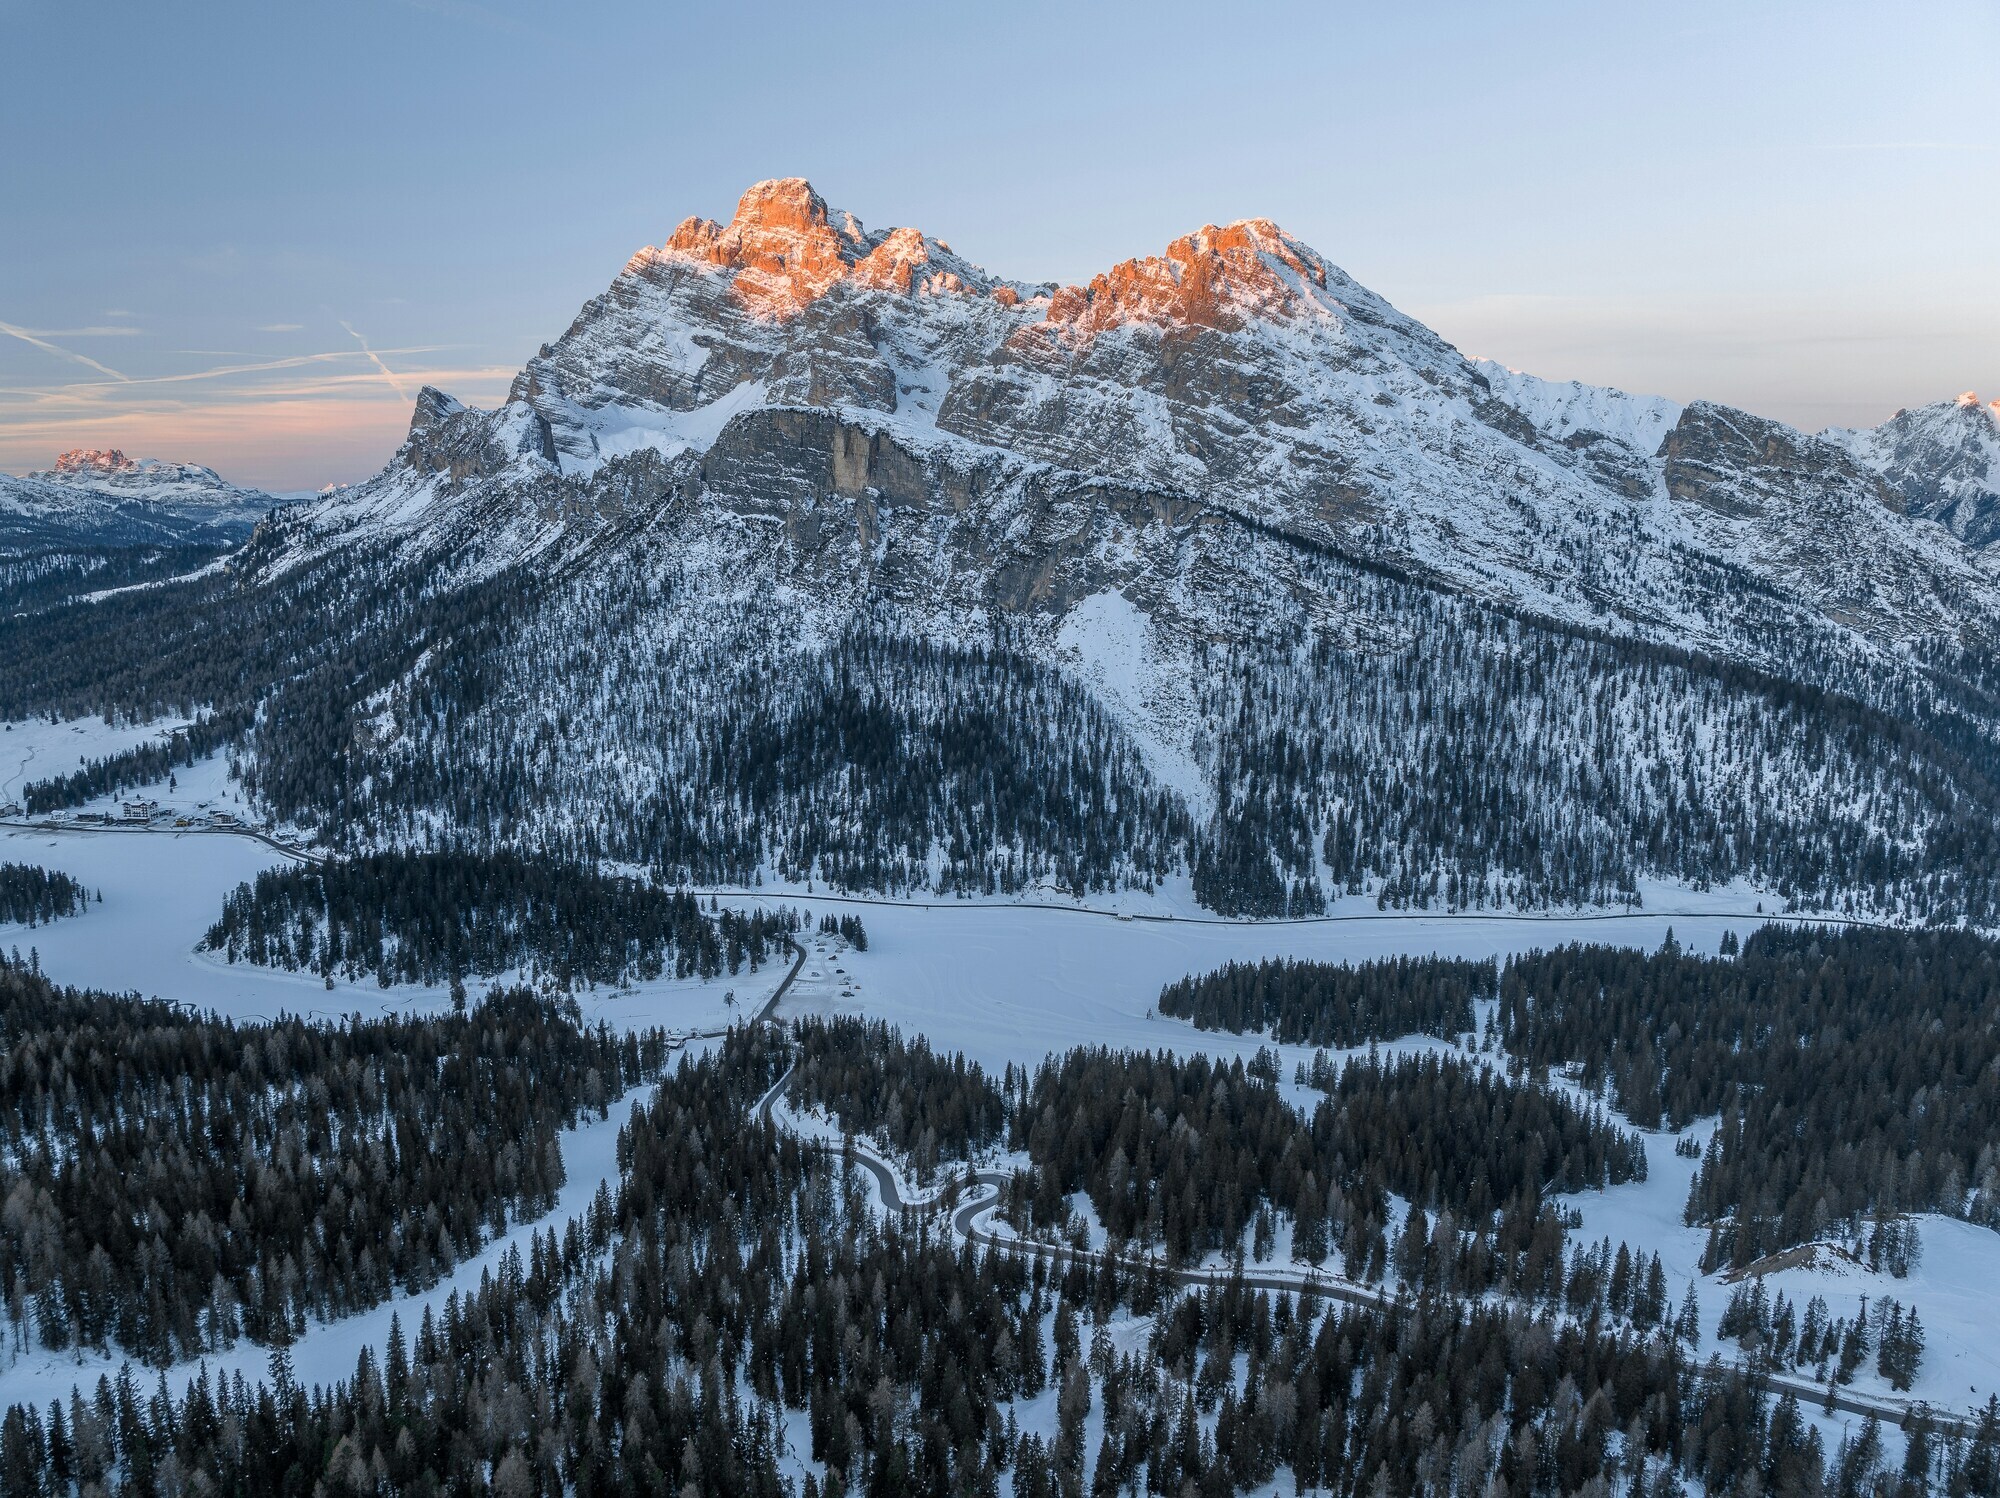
[62,353]
[387,374]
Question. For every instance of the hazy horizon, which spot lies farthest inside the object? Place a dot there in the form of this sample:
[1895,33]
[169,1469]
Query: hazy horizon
[251,236]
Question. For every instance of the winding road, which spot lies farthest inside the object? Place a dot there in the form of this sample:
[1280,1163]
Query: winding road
[963,1220]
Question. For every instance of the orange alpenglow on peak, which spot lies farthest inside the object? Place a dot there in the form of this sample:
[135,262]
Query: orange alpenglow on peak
[91,459]
[781,244]
[788,249]
[1212,278]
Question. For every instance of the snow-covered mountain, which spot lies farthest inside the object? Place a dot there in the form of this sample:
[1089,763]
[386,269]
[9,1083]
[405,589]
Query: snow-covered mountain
[1943,460]
[985,432]
[818,551]
[98,497]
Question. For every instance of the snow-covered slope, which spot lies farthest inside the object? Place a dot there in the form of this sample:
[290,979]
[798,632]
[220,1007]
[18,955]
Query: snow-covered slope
[1568,409]
[103,498]
[1942,459]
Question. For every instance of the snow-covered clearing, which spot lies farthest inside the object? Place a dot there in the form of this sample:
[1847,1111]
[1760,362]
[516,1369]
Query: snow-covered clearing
[1011,983]
[38,750]
[1955,1287]
[162,890]
[1112,646]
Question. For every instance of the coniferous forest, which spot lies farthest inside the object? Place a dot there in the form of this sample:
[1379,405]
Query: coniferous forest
[1857,1074]
[175,1181]
[1324,1004]
[30,895]
[740,1307]
[920,1105]
[446,916]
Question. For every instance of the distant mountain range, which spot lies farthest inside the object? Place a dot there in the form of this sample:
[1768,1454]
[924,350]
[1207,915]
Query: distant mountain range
[811,551]
[103,498]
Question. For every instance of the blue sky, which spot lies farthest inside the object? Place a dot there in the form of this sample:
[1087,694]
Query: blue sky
[244,234]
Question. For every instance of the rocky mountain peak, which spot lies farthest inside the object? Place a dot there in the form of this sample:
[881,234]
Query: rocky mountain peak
[1216,277]
[91,462]
[785,249]
[783,245]
[1943,458]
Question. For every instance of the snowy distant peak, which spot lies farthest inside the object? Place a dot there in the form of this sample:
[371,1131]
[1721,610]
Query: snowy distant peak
[107,471]
[91,461]
[786,249]
[1567,409]
[100,497]
[1942,459]
[110,469]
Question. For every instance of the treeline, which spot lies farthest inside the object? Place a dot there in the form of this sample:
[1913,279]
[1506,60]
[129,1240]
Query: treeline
[1857,1074]
[173,1181]
[30,894]
[744,1312]
[925,1107]
[1333,1004]
[48,579]
[1188,1155]
[411,917]
[1776,1335]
